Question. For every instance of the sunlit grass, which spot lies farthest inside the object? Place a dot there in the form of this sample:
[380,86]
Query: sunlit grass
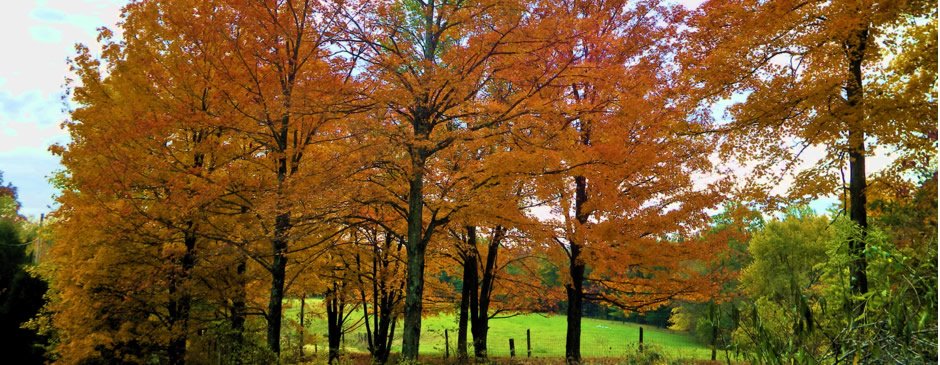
[599,338]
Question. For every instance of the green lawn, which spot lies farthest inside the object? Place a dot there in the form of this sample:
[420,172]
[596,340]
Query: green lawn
[599,338]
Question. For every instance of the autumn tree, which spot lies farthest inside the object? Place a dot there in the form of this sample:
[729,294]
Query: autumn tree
[849,77]
[283,89]
[281,95]
[623,193]
[152,113]
[499,276]
[379,270]
[137,165]
[428,63]
[339,298]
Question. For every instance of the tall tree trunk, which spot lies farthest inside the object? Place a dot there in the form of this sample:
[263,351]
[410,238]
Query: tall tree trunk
[469,285]
[380,330]
[180,294]
[417,238]
[480,315]
[575,289]
[334,319]
[237,316]
[387,324]
[414,292]
[282,225]
[303,328]
[575,293]
[855,50]
[278,273]
[416,244]
[463,319]
[181,301]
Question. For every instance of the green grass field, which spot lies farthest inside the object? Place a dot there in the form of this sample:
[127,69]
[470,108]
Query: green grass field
[600,338]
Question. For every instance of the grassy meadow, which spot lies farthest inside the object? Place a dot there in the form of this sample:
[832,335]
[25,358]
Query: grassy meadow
[600,338]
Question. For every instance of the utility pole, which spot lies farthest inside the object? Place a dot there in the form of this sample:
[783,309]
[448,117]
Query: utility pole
[38,242]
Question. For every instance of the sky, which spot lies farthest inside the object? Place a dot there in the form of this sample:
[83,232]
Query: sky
[39,36]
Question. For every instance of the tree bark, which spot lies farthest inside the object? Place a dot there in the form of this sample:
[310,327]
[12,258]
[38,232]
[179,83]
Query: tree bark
[480,317]
[469,285]
[334,317]
[575,289]
[417,237]
[282,226]
[416,243]
[181,301]
[855,51]
[414,293]
[239,306]
[381,329]
[575,293]
[278,273]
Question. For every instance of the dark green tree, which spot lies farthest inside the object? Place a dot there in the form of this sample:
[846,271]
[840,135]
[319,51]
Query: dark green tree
[21,294]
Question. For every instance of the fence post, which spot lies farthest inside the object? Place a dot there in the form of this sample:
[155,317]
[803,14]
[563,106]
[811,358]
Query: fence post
[528,342]
[303,300]
[641,338]
[446,344]
[714,321]
[512,348]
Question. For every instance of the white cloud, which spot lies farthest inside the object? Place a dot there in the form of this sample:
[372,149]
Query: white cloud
[40,37]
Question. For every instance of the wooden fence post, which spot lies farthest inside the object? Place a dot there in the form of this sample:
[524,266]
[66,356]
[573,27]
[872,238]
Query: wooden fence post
[528,342]
[512,348]
[641,338]
[303,300]
[714,331]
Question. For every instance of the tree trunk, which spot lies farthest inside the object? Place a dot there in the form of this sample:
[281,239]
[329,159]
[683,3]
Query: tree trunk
[386,349]
[469,285]
[481,303]
[181,301]
[463,319]
[417,238]
[380,328]
[278,273]
[575,289]
[238,305]
[416,245]
[855,50]
[384,333]
[575,304]
[334,319]
[414,292]
[480,327]
[300,342]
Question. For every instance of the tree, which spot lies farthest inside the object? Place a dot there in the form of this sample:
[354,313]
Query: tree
[148,185]
[785,282]
[801,304]
[284,91]
[714,321]
[379,269]
[428,64]
[280,95]
[816,73]
[21,290]
[617,174]
[499,275]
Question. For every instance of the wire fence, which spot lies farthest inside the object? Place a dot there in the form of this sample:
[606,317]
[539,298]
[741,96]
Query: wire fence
[532,344]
